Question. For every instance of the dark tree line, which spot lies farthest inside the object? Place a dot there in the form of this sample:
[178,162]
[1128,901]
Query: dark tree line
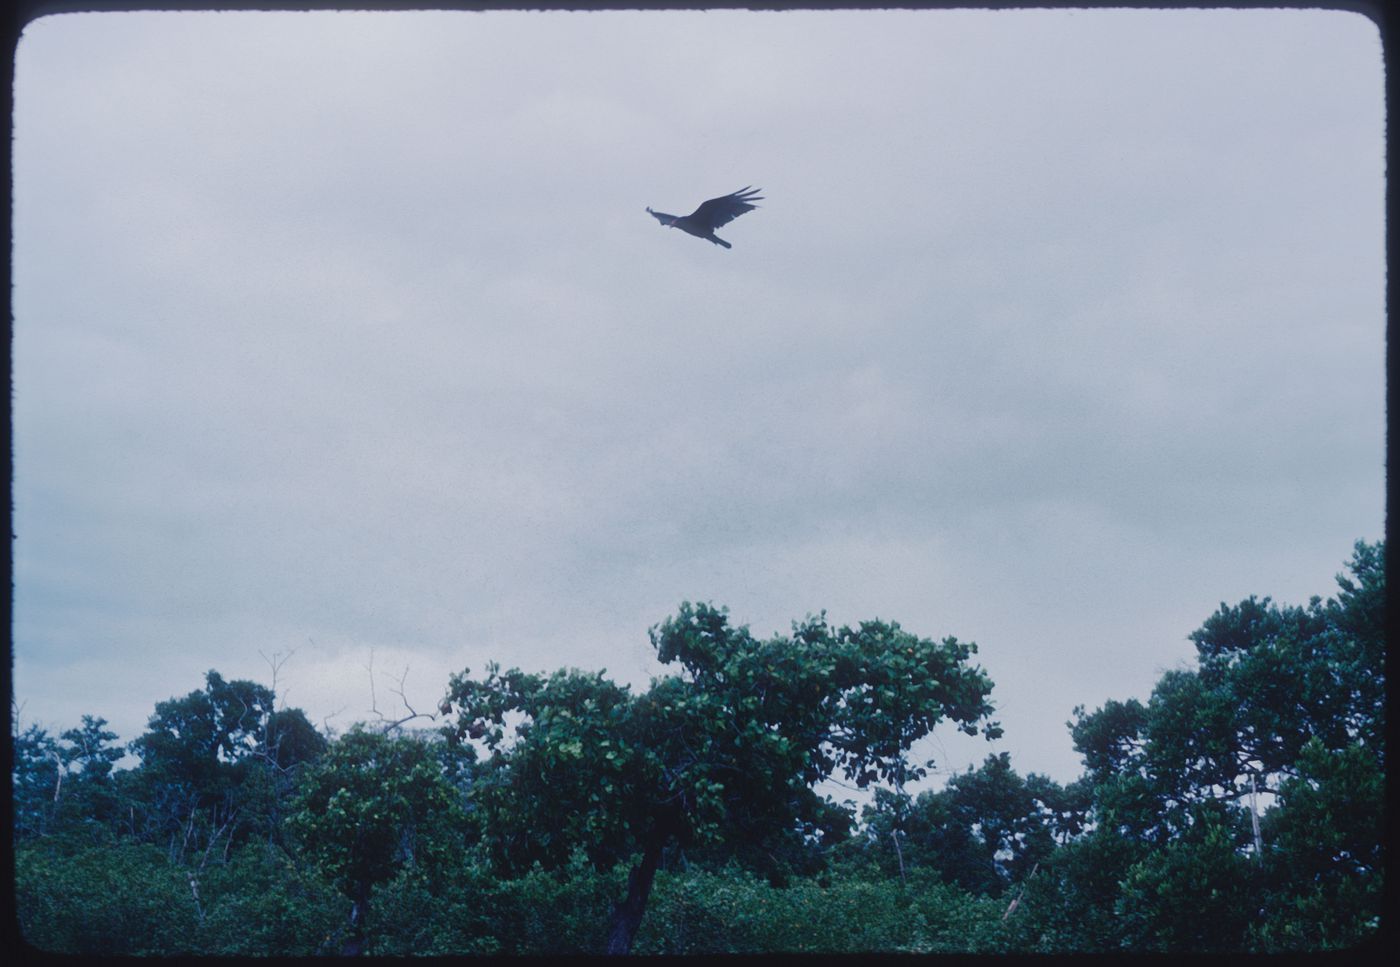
[1239,808]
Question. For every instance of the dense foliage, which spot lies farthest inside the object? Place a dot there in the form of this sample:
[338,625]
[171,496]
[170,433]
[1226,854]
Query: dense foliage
[1238,809]
[722,757]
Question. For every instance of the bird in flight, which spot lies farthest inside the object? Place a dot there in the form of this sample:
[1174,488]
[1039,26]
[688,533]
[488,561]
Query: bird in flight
[712,214]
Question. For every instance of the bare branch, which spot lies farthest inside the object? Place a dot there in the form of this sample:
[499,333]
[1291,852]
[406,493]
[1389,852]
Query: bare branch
[388,725]
[413,713]
[373,701]
[326,722]
[275,663]
[58,776]
[1016,900]
[400,691]
[213,840]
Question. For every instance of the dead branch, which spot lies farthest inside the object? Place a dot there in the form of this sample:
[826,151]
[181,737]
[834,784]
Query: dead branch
[58,776]
[388,725]
[1016,900]
[194,891]
[275,664]
[215,838]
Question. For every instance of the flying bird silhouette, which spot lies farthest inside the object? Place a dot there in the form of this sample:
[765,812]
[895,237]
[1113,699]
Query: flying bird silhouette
[712,214]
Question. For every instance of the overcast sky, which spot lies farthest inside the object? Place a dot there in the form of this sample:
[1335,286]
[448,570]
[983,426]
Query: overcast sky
[344,335]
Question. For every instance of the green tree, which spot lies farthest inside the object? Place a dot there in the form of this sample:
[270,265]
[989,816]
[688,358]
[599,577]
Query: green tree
[985,831]
[213,763]
[92,797]
[290,744]
[36,780]
[1268,681]
[1285,702]
[374,805]
[197,759]
[291,740]
[723,754]
[194,737]
[66,785]
[1193,895]
[216,767]
[1324,870]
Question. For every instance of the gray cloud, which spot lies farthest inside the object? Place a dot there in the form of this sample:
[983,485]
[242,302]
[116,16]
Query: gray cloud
[348,333]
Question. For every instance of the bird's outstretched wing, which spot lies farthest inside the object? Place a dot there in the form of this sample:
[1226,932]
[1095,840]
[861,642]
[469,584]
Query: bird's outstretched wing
[721,211]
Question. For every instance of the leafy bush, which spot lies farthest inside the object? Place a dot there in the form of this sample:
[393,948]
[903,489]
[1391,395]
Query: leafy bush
[408,917]
[118,900]
[556,912]
[261,904]
[734,911]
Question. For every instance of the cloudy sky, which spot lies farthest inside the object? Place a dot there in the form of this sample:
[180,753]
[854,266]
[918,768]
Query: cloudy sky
[345,337]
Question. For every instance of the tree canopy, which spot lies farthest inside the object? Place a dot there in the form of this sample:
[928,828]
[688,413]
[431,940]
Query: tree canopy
[725,752]
[1285,703]
[1239,807]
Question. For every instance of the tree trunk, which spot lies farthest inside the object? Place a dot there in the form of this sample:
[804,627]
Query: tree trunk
[355,944]
[627,915]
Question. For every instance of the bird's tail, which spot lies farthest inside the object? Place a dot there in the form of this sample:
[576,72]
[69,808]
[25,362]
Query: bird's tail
[719,241]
